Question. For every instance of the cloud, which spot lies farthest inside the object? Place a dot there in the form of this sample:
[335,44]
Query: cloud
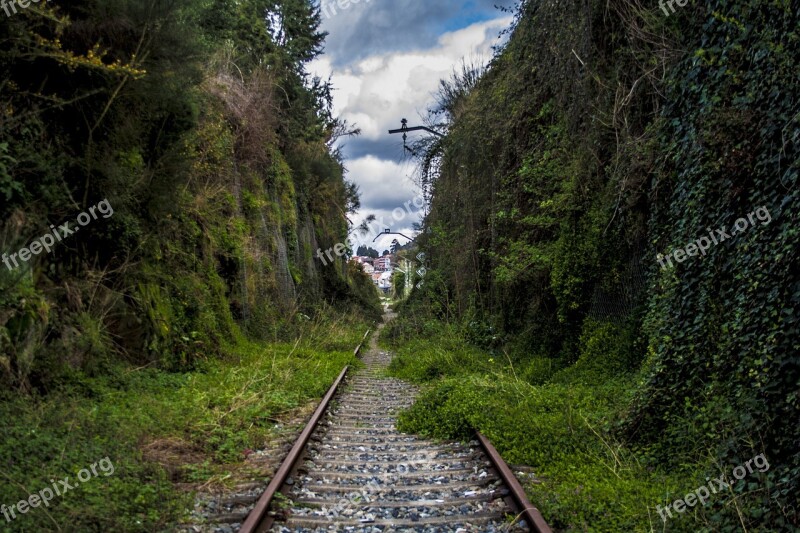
[386,191]
[388,69]
[383,184]
[375,27]
[379,90]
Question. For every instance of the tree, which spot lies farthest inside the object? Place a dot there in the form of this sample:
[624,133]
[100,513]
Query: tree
[366,251]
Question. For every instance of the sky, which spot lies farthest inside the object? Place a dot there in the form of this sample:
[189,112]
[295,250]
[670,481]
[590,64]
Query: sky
[385,59]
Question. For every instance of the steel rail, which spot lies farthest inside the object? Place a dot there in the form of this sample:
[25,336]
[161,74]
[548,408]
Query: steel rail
[532,515]
[259,520]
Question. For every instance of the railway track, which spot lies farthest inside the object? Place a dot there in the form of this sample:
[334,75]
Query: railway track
[351,470]
[355,472]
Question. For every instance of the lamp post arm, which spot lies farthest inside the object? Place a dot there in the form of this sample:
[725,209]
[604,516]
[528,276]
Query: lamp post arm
[416,128]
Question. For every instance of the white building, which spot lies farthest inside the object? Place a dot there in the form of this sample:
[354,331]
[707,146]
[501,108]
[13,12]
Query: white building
[385,282]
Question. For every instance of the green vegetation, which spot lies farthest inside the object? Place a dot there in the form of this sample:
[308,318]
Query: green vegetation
[367,251]
[159,429]
[600,136]
[562,425]
[563,422]
[567,168]
[198,123]
[181,328]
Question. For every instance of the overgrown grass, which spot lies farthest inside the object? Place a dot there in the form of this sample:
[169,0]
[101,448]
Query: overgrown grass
[562,428]
[207,418]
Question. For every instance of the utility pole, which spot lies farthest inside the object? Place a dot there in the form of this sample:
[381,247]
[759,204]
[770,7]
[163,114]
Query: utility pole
[404,129]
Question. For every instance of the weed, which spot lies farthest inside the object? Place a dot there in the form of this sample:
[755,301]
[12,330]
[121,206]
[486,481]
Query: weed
[160,428]
[562,427]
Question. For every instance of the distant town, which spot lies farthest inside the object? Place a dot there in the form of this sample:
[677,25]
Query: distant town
[381,267]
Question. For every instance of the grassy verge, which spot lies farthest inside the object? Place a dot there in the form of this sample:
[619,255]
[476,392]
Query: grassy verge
[206,419]
[562,427]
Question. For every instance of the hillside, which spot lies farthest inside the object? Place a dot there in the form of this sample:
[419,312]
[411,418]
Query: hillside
[614,223]
[599,272]
[185,156]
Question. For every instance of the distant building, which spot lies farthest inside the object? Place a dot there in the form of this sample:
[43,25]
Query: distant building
[384,264]
[385,282]
[382,280]
[366,266]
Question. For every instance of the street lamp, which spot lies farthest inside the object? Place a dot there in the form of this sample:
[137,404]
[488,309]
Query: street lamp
[404,129]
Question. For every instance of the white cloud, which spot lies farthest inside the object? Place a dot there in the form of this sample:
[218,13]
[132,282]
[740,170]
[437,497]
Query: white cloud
[378,91]
[386,188]
[375,92]
[383,183]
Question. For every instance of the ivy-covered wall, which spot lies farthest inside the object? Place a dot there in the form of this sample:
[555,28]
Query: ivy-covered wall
[199,124]
[602,135]
[723,372]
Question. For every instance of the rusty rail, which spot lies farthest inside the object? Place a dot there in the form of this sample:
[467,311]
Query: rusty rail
[532,515]
[259,519]
[361,344]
